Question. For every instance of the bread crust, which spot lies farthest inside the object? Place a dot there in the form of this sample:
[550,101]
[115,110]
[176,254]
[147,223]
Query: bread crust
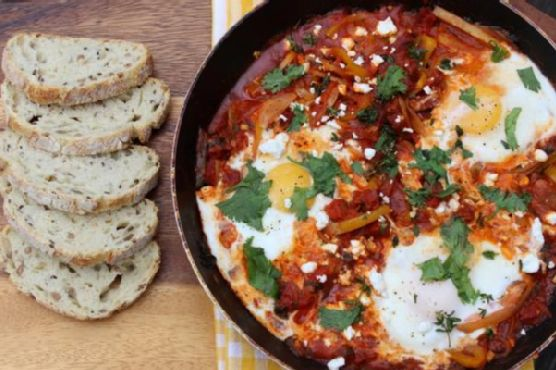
[97,90]
[89,145]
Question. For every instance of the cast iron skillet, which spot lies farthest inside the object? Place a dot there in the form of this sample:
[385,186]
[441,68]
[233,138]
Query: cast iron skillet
[225,65]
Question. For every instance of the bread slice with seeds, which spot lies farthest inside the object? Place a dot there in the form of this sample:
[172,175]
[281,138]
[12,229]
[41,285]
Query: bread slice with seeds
[79,184]
[68,71]
[82,239]
[84,293]
[87,129]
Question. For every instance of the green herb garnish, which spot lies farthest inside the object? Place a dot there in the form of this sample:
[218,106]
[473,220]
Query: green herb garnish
[391,83]
[262,275]
[469,97]
[499,53]
[510,125]
[339,319]
[512,202]
[529,79]
[277,79]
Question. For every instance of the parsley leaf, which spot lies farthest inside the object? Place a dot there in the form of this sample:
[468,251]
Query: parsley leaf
[357,168]
[511,202]
[299,118]
[469,97]
[418,198]
[324,171]
[499,53]
[320,88]
[310,39]
[446,65]
[446,323]
[250,200]
[299,200]
[386,145]
[368,115]
[431,162]
[417,53]
[391,83]
[262,275]
[529,79]
[339,319]
[454,234]
[510,125]
[490,255]
[277,79]
[449,190]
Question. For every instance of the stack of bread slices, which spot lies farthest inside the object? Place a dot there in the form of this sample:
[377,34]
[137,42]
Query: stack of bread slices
[80,239]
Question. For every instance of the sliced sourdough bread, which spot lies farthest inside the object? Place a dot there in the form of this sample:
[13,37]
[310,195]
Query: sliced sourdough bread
[82,239]
[68,71]
[79,184]
[87,129]
[84,293]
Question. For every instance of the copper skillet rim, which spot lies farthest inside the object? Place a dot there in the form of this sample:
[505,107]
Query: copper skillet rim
[177,132]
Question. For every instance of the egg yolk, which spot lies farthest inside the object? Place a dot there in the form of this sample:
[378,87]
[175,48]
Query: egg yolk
[285,178]
[487,116]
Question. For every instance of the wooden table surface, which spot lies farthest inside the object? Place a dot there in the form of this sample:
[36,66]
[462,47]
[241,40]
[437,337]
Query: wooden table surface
[171,326]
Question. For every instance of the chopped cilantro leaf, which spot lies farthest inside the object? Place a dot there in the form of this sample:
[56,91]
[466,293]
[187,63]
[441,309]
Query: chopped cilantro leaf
[416,230]
[386,145]
[320,88]
[277,79]
[391,83]
[418,198]
[324,171]
[262,275]
[250,201]
[310,39]
[339,319]
[417,53]
[510,125]
[446,65]
[357,168]
[490,255]
[334,137]
[432,270]
[459,131]
[431,162]
[446,323]
[368,115]
[449,190]
[529,79]
[299,199]
[469,97]
[499,53]
[509,201]
[489,332]
[299,118]
[487,298]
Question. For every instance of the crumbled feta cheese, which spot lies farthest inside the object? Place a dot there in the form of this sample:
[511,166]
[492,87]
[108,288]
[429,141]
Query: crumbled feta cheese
[490,179]
[324,119]
[424,327]
[317,29]
[283,118]
[551,264]
[386,27]
[365,300]
[334,124]
[377,282]
[536,239]
[342,107]
[322,220]
[312,90]
[540,155]
[453,204]
[376,59]
[315,153]
[342,65]
[438,133]
[408,129]
[309,267]
[530,264]
[318,60]
[357,248]
[393,50]
[551,218]
[322,278]
[398,119]
[288,203]
[519,214]
[329,247]
[427,90]
[360,31]
[393,40]
[275,146]
[359,61]
[336,363]
[313,114]
[349,333]
[369,153]
[351,53]
[441,208]
[385,47]
[348,43]
[386,199]
[318,100]
[362,88]
[357,78]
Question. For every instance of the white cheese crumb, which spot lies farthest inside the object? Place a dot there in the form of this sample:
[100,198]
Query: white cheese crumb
[312,90]
[342,107]
[336,363]
[530,264]
[317,29]
[322,278]
[441,208]
[348,43]
[342,65]
[360,31]
[324,119]
[453,204]
[362,88]
[427,90]
[329,247]
[551,264]
[386,199]
[309,267]
[369,153]
[288,203]
[314,114]
[551,218]
[334,124]
[365,300]
[318,100]
[351,53]
[537,238]
[408,129]
[359,61]
[376,59]
[540,155]
[490,179]
[349,333]
[386,27]
[398,119]
[275,146]
[322,220]
[283,118]
[357,78]
[519,214]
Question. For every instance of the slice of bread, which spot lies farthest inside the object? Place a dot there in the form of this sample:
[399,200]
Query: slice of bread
[68,71]
[92,128]
[84,293]
[79,184]
[82,239]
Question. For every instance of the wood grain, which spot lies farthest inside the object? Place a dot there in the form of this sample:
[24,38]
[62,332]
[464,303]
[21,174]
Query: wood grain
[171,326]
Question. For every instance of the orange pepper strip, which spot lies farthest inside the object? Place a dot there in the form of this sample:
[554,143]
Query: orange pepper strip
[358,222]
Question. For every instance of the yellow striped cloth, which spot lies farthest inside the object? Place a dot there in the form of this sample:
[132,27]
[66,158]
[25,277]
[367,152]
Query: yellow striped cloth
[234,352]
